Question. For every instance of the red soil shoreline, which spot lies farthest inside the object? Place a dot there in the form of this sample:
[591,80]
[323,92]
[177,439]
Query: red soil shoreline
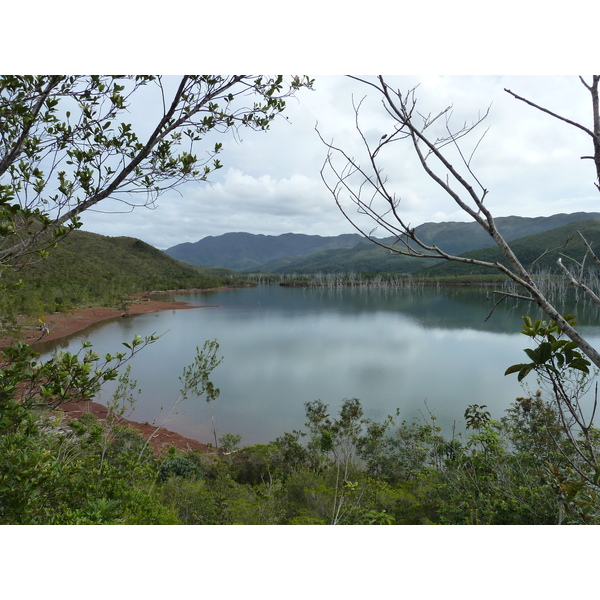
[60,325]
[160,440]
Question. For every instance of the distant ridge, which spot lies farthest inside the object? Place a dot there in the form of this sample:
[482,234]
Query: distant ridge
[247,252]
[542,249]
[299,253]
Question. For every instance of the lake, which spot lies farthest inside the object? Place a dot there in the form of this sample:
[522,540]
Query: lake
[418,349]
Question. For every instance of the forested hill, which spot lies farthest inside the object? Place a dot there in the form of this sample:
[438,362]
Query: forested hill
[543,249]
[455,238]
[87,268]
[294,253]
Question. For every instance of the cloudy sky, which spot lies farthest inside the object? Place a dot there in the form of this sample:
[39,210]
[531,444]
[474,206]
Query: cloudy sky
[271,182]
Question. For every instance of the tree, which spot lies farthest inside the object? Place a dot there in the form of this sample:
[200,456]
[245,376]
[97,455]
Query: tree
[365,187]
[26,384]
[196,380]
[558,362]
[66,145]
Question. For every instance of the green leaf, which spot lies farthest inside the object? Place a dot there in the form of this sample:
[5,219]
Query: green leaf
[514,369]
[524,372]
[532,353]
[544,352]
[580,364]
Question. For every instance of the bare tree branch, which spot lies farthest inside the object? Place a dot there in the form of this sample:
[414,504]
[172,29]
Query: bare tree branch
[594,134]
[366,188]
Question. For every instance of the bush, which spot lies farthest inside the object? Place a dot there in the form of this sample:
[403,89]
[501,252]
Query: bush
[178,466]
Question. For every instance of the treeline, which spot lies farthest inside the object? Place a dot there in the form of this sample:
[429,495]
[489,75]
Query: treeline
[370,279]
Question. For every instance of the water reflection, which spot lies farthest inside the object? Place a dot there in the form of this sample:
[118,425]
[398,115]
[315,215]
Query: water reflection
[413,349]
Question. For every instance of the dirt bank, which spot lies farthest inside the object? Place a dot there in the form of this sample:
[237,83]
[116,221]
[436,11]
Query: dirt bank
[160,440]
[59,325]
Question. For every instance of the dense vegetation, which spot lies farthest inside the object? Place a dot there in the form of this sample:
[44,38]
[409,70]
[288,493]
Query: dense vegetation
[348,471]
[89,269]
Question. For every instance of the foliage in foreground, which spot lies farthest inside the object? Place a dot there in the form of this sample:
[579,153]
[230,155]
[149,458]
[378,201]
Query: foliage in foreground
[535,465]
[351,471]
[347,470]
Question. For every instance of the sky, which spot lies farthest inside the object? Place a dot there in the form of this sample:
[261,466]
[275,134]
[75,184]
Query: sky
[271,181]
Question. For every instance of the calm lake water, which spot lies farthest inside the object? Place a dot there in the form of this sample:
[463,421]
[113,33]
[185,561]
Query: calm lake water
[416,349]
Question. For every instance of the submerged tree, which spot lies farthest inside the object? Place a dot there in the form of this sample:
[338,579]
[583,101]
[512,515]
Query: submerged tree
[67,145]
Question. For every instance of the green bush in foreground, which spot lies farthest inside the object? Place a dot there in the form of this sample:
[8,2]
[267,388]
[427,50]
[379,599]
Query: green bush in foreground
[91,472]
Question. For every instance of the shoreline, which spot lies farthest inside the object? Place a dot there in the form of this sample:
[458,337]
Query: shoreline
[60,325]
[160,440]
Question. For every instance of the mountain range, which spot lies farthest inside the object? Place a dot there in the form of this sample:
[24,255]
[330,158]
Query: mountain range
[248,252]
[299,253]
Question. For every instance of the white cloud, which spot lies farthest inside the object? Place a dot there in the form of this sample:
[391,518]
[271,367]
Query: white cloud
[271,182]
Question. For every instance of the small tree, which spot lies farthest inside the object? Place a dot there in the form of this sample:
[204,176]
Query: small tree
[564,375]
[196,380]
[66,144]
[338,440]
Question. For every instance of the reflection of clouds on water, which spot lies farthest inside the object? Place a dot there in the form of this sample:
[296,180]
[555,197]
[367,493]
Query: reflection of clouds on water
[297,346]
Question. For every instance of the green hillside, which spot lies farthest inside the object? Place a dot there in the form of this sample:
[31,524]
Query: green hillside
[542,248]
[90,269]
[456,238]
[364,257]
[453,237]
